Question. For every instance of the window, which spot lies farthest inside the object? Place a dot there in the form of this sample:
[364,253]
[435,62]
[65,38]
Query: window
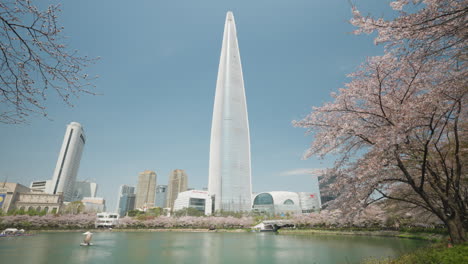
[263,199]
[288,202]
[197,203]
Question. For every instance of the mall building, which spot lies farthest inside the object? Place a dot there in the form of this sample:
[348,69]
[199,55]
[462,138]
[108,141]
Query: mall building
[281,203]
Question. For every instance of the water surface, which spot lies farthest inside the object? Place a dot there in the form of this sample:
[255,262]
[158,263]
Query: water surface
[185,247]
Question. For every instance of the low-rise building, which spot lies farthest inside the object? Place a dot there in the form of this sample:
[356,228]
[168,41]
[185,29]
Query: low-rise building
[14,196]
[106,220]
[281,203]
[9,193]
[94,204]
[200,200]
[39,202]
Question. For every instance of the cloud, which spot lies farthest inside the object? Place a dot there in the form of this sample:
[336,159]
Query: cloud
[304,171]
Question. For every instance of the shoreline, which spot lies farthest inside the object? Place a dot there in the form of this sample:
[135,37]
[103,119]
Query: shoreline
[383,233]
[101,230]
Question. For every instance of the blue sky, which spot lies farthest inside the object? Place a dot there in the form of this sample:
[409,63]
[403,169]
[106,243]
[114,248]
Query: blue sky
[157,77]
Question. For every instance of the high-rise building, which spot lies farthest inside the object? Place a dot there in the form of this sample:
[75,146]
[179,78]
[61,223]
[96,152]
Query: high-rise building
[161,196]
[126,199]
[229,170]
[68,162]
[146,190]
[84,189]
[177,184]
[126,203]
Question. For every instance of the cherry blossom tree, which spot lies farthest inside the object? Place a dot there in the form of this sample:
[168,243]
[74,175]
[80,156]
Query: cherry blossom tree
[33,60]
[397,127]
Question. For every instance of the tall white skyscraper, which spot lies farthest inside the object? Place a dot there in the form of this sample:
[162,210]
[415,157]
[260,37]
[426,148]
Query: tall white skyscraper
[229,172]
[68,162]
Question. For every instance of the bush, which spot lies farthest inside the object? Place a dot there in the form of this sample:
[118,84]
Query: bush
[438,254]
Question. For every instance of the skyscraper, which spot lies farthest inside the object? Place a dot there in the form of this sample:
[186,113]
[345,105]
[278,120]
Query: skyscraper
[84,189]
[126,200]
[146,190]
[177,184]
[229,170]
[161,196]
[68,162]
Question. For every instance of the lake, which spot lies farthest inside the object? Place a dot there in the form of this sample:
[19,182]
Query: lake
[193,247]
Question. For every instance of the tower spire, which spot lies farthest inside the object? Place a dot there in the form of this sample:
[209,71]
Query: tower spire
[229,172]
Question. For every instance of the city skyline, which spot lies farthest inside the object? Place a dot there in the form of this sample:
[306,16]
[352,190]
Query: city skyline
[293,57]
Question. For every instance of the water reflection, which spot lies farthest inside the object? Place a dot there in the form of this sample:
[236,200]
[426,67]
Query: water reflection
[181,247]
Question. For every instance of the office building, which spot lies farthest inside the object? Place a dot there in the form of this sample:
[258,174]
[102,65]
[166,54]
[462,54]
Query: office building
[126,203]
[68,162]
[84,189]
[146,190]
[126,199]
[161,196]
[177,184]
[229,169]
[200,200]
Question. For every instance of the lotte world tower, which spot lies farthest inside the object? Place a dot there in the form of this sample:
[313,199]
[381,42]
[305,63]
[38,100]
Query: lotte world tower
[229,170]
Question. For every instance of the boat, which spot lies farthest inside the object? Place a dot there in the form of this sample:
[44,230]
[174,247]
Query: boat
[13,232]
[87,239]
[262,227]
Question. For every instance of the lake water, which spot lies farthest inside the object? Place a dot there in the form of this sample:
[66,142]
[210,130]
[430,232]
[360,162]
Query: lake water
[186,247]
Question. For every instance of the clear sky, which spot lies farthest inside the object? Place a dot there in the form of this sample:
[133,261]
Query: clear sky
[157,77]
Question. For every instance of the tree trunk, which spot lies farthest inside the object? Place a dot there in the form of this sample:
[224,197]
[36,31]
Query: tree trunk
[456,230]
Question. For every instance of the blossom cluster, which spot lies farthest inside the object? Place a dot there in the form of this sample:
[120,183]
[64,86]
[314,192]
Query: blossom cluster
[187,222]
[50,221]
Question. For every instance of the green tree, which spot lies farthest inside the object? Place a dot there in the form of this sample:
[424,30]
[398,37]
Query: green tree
[188,212]
[75,207]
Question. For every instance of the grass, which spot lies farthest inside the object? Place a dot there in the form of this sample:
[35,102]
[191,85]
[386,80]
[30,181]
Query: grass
[435,254]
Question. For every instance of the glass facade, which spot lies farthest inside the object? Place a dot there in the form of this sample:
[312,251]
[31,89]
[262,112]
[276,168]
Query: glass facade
[197,203]
[229,173]
[263,199]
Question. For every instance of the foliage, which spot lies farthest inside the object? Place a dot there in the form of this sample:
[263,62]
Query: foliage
[49,221]
[33,59]
[439,254]
[187,222]
[76,207]
[157,211]
[223,213]
[188,212]
[135,212]
[397,126]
